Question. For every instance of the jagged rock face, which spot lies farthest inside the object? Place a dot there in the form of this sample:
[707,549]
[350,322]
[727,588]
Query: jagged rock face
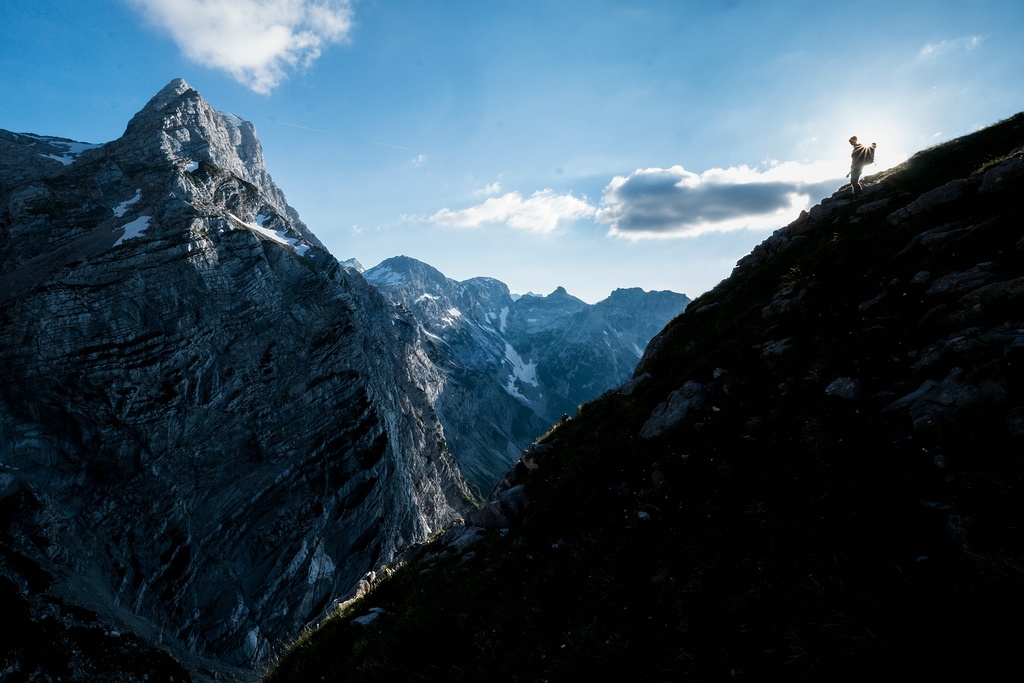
[581,352]
[464,328]
[208,428]
[515,367]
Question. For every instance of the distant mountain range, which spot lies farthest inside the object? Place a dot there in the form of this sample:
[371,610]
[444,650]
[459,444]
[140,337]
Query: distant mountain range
[512,367]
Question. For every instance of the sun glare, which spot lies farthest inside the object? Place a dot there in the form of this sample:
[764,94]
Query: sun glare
[896,135]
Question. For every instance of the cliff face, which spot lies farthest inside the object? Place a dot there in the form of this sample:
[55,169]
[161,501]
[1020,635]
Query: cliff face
[513,367]
[209,430]
[815,473]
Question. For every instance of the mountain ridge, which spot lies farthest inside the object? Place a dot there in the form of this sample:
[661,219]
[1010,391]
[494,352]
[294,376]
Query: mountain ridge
[512,367]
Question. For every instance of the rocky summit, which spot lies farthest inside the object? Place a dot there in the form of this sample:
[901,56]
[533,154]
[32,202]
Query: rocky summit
[815,474]
[513,366]
[209,429]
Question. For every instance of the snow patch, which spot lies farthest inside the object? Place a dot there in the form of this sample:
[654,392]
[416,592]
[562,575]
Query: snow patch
[430,334]
[513,390]
[122,208]
[192,167]
[278,236]
[76,148]
[71,149]
[65,159]
[522,372]
[386,276]
[231,118]
[133,229]
[526,372]
[453,315]
[504,318]
[427,297]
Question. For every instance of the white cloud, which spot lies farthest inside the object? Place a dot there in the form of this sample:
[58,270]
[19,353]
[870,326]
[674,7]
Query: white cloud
[419,160]
[673,202]
[489,189]
[665,203]
[540,213]
[963,44]
[256,41]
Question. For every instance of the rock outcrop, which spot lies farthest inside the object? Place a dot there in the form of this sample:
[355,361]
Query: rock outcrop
[209,429]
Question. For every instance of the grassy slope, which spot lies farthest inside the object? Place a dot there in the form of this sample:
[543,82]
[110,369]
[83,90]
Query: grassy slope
[775,533]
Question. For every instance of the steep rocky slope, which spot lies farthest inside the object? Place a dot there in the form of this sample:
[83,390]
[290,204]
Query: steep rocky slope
[512,367]
[209,429]
[814,475]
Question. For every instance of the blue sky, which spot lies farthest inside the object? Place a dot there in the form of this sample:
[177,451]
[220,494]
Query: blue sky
[589,144]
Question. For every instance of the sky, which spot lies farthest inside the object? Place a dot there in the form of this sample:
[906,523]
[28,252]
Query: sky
[589,144]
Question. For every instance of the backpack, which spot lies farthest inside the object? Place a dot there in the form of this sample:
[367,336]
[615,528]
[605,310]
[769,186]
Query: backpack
[865,154]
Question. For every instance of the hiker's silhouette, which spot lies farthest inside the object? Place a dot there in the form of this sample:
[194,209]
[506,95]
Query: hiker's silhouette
[862,156]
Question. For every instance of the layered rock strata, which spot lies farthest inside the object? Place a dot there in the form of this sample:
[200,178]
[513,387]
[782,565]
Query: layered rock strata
[209,429]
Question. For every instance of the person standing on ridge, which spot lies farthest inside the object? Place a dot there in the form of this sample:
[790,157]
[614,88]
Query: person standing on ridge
[861,157]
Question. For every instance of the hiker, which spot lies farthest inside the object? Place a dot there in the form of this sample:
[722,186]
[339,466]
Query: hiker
[861,157]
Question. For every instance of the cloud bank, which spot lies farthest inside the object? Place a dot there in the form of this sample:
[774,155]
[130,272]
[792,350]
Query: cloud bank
[256,41]
[664,203]
[673,202]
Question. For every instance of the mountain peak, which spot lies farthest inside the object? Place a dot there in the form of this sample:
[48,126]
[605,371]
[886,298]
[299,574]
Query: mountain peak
[178,125]
[163,100]
[404,269]
[176,88]
[176,245]
[404,262]
[178,84]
